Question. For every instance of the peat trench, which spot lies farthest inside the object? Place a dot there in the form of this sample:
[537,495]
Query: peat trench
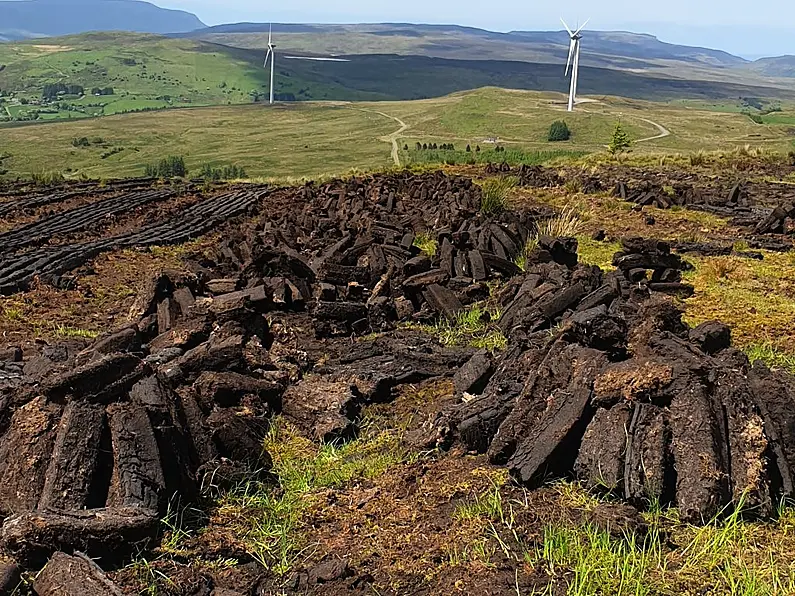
[601,381]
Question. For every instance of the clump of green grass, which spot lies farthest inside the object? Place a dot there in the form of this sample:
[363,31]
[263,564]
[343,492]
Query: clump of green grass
[427,243]
[151,580]
[592,252]
[66,331]
[593,562]
[495,194]
[12,313]
[771,356]
[488,505]
[699,158]
[472,327]
[728,555]
[47,178]
[270,520]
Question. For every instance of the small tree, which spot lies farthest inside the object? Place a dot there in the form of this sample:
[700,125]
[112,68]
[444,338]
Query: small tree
[620,141]
[418,146]
[559,131]
[468,149]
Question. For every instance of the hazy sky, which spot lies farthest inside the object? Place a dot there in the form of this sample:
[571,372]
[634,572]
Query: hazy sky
[732,25]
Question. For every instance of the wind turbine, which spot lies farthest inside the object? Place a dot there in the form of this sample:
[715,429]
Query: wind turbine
[574,61]
[272,55]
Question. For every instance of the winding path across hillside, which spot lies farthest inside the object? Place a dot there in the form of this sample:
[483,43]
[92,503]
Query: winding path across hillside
[393,138]
[664,132]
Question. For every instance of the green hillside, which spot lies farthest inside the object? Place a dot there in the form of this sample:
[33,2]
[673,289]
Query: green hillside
[111,73]
[144,72]
[312,139]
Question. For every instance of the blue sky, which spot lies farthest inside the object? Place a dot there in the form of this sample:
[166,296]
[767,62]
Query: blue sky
[730,25]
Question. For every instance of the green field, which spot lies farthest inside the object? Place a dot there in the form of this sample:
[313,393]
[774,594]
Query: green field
[312,139]
[306,140]
[145,72]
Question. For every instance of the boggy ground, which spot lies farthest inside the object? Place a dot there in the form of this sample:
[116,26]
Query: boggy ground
[377,517]
[408,521]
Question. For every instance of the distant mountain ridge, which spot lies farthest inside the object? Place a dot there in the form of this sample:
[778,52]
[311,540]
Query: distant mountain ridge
[25,19]
[640,45]
[621,50]
[780,66]
[615,43]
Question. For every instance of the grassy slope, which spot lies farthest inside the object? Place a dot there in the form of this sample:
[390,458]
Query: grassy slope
[313,139]
[284,142]
[192,73]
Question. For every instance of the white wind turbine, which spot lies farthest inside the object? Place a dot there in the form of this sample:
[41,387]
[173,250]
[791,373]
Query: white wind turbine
[574,61]
[272,55]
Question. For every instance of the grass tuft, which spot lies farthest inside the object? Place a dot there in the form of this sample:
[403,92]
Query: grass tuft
[567,223]
[495,194]
[699,158]
[771,356]
[473,326]
[427,243]
[12,314]
[74,332]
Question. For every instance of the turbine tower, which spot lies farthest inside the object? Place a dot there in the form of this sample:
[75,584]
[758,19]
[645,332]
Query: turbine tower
[272,55]
[574,61]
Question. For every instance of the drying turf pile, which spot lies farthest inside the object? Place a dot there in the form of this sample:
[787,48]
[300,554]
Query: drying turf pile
[600,378]
[603,382]
[763,207]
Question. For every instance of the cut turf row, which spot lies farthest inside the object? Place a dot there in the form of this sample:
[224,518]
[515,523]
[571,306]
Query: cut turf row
[49,263]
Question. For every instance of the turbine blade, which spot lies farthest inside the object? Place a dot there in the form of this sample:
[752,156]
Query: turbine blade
[270,33]
[571,55]
[567,27]
[267,55]
[583,26]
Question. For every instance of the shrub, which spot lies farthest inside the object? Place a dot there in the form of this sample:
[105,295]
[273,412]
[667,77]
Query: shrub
[168,167]
[620,140]
[81,142]
[757,118]
[559,131]
[213,174]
